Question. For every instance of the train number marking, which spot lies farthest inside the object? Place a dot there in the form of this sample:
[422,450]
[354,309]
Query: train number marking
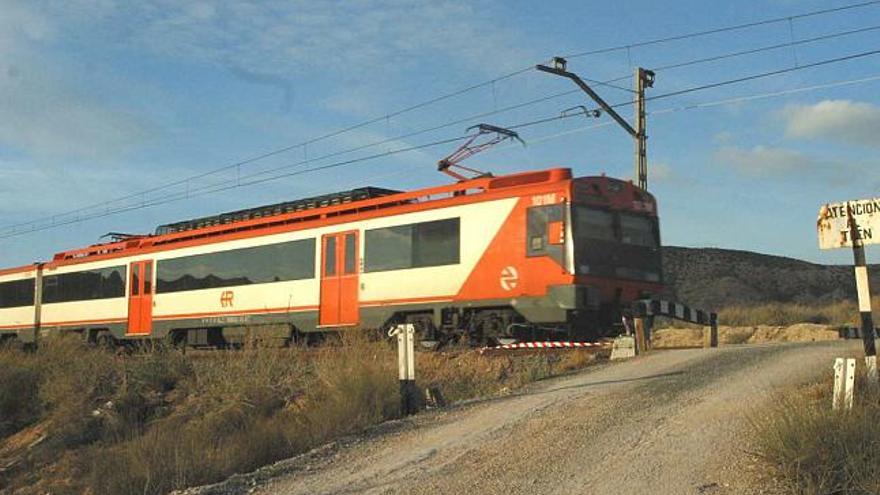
[509,278]
[226,298]
[544,199]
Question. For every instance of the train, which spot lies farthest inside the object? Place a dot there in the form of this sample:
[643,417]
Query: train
[488,259]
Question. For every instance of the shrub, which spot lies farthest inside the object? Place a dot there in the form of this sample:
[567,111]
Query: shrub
[783,314]
[19,400]
[157,419]
[811,449]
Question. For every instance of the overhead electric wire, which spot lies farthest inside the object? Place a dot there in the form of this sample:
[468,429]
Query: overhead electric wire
[564,116]
[694,106]
[752,51]
[185,182]
[323,137]
[724,29]
[763,75]
[761,96]
[471,118]
[219,188]
[459,92]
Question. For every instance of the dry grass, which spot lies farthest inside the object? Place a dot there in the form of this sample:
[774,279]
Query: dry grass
[465,375]
[698,336]
[838,313]
[159,419]
[810,449]
[835,313]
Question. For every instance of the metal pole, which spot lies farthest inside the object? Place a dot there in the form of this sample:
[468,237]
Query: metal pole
[864,294]
[641,152]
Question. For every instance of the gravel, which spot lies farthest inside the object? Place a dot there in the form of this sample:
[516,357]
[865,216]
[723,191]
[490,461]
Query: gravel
[669,422]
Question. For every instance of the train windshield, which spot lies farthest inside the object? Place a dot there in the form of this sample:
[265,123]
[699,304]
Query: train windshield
[615,244]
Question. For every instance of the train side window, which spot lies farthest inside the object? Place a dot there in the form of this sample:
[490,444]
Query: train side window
[294,260]
[330,256]
[538,221]
[436,243]
[148,278]
[388,248]
[350,254]
[136,280]
[17,293]
[103,283]
[416,245]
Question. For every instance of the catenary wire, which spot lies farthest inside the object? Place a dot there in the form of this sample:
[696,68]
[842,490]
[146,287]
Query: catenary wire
[459,92]
[78,218]
[214,189]
[724,29]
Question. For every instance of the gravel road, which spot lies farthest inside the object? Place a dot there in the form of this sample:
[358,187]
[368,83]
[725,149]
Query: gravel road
[670,422]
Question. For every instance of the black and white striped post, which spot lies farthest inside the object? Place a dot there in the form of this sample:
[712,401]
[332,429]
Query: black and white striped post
[863,290]
[852,224]
[649,308]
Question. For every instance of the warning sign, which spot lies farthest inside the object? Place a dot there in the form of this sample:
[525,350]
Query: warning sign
[841,223]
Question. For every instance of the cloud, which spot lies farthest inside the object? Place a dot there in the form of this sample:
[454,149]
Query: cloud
[846,121]
[362,44]
[767,162]
[42,113]
[660,172]
[763,161]
[723,137]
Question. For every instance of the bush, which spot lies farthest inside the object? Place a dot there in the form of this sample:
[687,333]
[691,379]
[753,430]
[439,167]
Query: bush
[811,449]
[783,314]
[248,408]
[156,419]
[19,400]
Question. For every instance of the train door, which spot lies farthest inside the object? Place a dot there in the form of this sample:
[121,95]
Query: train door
[339,279]
[140,298]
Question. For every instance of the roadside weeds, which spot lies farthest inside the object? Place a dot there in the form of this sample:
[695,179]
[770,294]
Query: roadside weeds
[808,449]
[159,420]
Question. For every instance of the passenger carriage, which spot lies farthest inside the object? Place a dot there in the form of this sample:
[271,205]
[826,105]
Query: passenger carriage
[535,253]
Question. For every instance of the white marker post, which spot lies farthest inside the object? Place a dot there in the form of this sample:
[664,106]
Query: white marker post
[853,224]
[406,358]
[844,383]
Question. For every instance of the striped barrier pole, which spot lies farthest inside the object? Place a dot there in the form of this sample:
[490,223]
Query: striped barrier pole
[647,309]
[864,294]
[547,345]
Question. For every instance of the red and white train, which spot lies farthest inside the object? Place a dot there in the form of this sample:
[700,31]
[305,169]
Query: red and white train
[486,258]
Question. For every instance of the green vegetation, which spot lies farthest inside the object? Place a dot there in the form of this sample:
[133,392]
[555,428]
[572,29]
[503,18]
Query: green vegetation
[77,419]
[812,450]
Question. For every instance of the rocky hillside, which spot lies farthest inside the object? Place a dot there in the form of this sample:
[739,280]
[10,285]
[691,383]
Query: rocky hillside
[715,278]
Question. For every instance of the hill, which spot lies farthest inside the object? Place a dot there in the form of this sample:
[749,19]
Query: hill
[714,278]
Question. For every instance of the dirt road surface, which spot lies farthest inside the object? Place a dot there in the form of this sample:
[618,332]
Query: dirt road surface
[670,422]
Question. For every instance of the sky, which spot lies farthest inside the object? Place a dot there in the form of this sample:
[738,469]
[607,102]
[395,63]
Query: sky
[144,101]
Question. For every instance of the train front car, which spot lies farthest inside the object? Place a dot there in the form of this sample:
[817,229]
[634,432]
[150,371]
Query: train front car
[616,249]
[567,263]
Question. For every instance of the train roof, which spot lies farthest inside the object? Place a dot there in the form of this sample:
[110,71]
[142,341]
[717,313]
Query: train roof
[284,216]
[251,221]
[297,205]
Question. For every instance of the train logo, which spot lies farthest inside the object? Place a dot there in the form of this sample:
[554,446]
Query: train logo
[226,298]
[509,278]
